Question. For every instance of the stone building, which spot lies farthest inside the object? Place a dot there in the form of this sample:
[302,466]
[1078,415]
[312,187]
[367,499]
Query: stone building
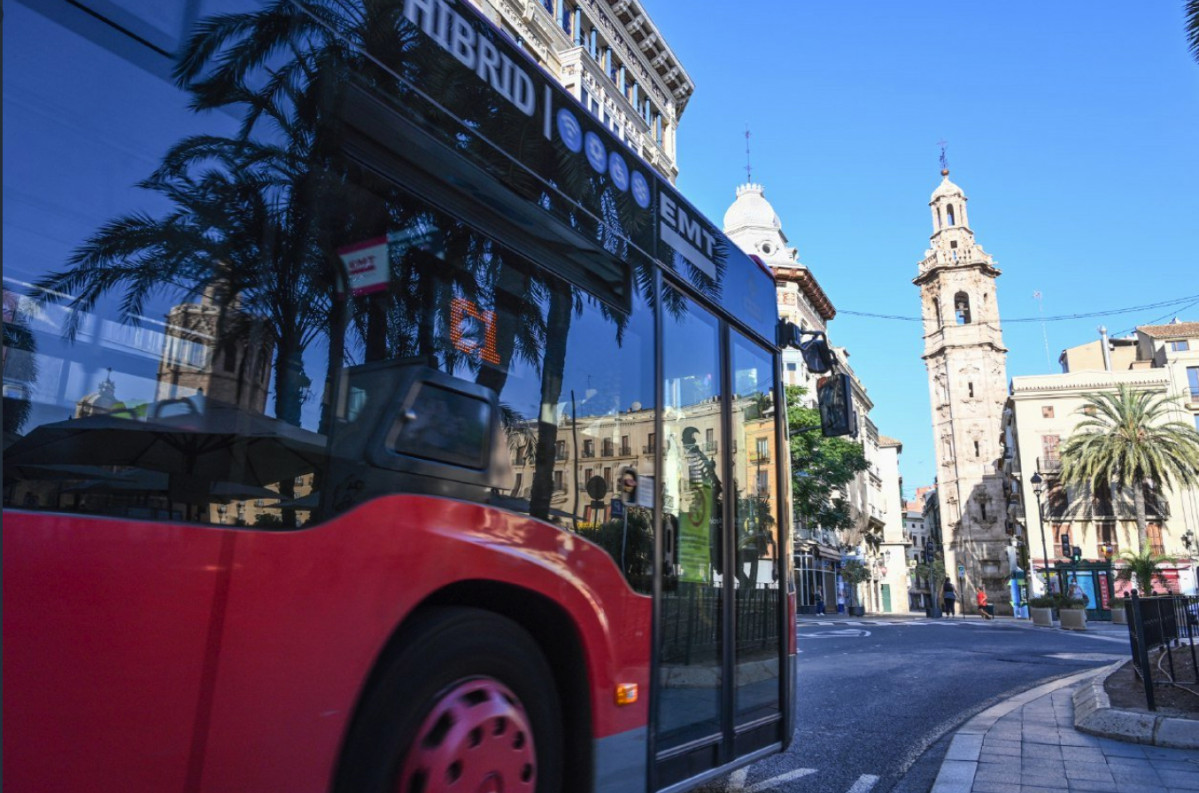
[613,59]
[1042,412]
[966,361]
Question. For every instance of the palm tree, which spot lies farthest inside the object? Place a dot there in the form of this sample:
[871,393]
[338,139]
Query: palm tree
[1127,441]
[1143,568]
[1192,27]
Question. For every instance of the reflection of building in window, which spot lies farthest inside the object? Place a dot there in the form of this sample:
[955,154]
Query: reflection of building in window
[214,348]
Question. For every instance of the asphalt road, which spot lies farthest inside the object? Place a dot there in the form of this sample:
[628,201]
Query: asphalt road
[878,703]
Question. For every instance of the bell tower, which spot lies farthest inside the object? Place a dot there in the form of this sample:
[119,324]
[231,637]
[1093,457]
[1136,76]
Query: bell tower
[967,379]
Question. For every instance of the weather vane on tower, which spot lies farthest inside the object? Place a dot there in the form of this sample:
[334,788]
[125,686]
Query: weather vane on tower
[944,159]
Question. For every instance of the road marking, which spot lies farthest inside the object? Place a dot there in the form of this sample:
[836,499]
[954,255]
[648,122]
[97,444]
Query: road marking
[737,780]
[864,784]
[847,633]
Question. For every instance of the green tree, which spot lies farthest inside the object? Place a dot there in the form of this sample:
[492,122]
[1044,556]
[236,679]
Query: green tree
[853,573]
[821,467]
[1126,441]
[1143,569]
[934,573]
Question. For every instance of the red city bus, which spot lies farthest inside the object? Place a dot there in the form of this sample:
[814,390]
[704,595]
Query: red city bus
[373,420]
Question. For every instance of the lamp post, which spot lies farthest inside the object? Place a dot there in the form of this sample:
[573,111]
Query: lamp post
[1036,481]
[1188,540]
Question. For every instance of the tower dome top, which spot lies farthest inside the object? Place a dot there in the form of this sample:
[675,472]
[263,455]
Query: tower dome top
[946,188]
[751,209]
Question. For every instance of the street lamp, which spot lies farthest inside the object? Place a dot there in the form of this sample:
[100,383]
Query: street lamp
[1036,482]
[1188,540]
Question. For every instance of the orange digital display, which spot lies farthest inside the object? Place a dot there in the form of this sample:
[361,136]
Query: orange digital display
[463,335]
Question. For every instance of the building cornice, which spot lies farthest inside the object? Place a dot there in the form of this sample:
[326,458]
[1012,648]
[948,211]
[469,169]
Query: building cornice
[803,278]
[1034,386]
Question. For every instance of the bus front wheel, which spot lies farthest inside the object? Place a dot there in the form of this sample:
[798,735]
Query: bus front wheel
[467,703]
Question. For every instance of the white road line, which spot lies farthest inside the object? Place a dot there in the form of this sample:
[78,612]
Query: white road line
[864,784]
[767,784]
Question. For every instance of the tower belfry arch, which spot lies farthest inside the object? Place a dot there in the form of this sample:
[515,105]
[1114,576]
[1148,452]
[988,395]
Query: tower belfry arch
[967,376]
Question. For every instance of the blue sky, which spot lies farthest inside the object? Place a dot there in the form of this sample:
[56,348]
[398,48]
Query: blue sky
[1073,129]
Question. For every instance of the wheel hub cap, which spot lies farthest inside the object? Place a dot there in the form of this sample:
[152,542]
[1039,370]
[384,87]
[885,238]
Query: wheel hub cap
[475,739]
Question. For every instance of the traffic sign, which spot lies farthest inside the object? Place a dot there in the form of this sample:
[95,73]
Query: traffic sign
[961,570]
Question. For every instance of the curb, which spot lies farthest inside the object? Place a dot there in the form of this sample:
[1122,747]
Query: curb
[961,759]
[1094,715]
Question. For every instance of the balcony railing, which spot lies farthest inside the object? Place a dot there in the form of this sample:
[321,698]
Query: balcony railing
[710,447]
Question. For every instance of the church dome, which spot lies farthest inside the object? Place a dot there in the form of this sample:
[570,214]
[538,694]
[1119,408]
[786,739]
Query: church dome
[946,189]
[751,209]
[103,400]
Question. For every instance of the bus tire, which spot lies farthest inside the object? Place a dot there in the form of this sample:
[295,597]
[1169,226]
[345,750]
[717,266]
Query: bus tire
[468,697]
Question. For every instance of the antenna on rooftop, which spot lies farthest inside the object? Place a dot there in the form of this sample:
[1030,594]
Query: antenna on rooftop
[749,174]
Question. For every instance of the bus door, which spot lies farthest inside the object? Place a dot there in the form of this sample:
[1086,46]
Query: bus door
[718,638]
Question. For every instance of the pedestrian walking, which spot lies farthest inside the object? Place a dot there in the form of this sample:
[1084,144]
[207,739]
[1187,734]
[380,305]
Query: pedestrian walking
[819,602]
[840,603]
[950,596]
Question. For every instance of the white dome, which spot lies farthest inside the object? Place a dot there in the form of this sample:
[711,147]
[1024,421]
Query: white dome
[946,189]
[751,209]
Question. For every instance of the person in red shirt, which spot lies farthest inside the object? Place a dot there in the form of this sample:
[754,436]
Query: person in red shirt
[983,608]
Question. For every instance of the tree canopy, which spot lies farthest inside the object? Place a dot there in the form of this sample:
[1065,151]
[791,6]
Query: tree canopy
[820,467]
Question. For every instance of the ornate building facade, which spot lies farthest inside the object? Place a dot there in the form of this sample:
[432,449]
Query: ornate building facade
[967,377]
[613,59]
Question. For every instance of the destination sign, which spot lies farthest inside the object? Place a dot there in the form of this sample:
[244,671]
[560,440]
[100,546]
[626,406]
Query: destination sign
[481,95]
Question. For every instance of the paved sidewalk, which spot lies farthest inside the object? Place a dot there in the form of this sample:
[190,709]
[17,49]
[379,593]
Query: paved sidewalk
[1028,744]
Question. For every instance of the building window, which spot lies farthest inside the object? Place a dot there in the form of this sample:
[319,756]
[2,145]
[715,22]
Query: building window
[565,16]
[608,446]
[1049,451]
[558,485]
[560,450]
[791,367]
[588,448]
[970,390]
[949,211]
[1047,411]
[1180,346]
[608,477]
[763,447]
[625,449]
[1193,382]
[763,482]
[976,454]
[961,308]
[937,311]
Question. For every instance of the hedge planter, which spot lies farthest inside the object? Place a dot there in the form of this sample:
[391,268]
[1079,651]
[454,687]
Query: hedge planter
[1041,616]
[1073,619]
[857,611]
[1119,615]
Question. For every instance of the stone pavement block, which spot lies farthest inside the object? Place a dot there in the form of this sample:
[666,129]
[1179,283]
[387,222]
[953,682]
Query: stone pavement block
[956,776]
[1112,748]
[1094,786]
[1179,781]
[1082,754]
[1001,753]
[964,747]
[1051,781]
[1088,771]
[1041,750]
[996,787]
[992,773]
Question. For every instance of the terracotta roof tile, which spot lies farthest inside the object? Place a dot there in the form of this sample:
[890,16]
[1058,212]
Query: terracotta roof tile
[1171,331]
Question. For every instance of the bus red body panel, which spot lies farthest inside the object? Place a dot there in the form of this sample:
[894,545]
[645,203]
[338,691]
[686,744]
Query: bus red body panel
[176,657]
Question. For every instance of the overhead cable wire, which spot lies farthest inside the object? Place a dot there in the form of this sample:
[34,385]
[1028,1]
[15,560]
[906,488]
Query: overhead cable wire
[1190,300]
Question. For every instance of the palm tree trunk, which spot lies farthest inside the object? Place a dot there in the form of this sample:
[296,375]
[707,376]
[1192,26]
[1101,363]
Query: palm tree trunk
[1138,500]
[558,322]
